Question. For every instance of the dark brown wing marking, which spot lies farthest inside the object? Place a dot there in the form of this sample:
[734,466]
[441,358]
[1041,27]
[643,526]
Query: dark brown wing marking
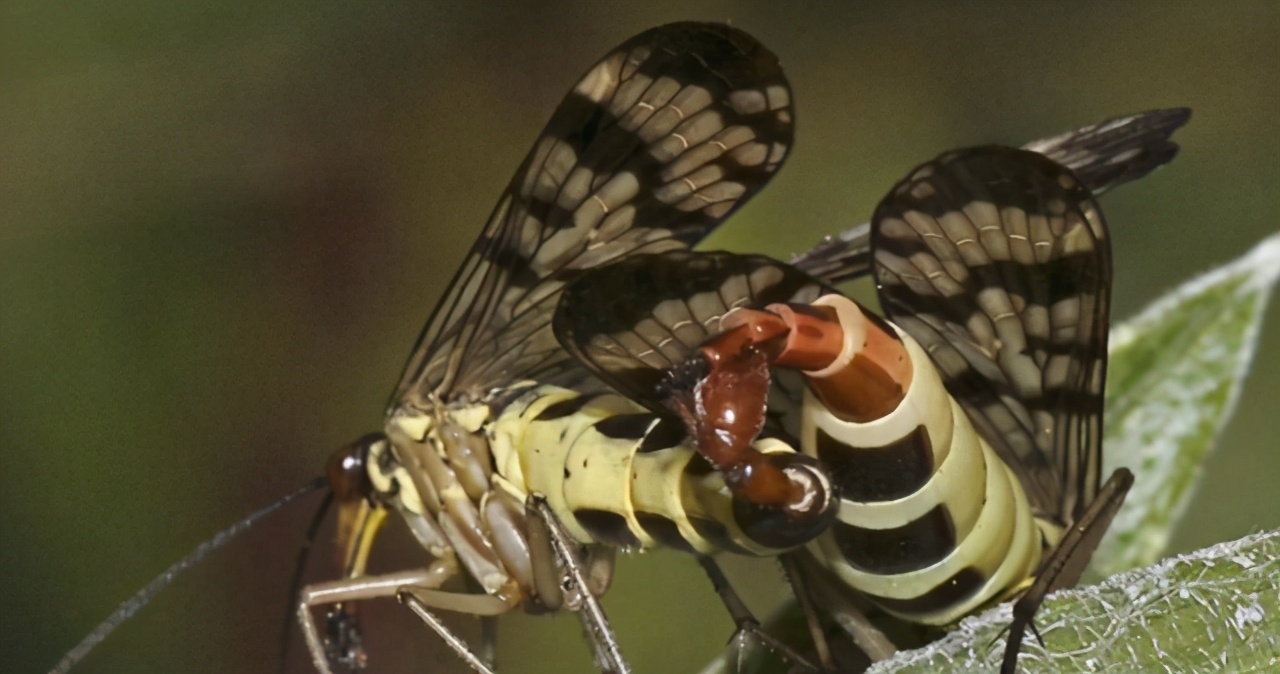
[997,261]
[1118,150]
[1103,155]
[652,148]
[630,321]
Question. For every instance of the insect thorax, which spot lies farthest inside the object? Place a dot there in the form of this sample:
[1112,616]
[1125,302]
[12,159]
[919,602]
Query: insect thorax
[614,473]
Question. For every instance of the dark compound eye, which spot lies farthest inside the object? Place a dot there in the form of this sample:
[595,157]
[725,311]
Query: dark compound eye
[347,468]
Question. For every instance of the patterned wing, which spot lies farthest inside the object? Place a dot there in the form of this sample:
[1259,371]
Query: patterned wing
[997,261]
[1116,151]
[630,321]
[652,148]
[1103,155]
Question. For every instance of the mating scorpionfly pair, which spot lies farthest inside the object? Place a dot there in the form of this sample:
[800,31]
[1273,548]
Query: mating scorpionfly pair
[589,383]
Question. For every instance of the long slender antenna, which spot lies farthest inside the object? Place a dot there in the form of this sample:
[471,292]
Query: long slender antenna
[295,583]
[133,604]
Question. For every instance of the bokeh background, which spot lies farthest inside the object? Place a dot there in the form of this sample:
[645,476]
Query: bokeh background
[222,225]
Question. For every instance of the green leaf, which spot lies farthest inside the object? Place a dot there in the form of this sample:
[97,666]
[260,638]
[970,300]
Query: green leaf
[1173,380]
[1216,609]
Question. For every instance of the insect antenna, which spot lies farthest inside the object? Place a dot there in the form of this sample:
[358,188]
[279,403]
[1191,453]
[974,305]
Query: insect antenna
[144,596]
[295,582]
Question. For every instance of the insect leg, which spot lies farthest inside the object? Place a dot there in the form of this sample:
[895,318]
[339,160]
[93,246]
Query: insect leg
[832,595]
[421,609]
[748,627]
[488,639]
[547,535]
[599,568]
[1067,561]
[421,600]
[791,566]
[354,589]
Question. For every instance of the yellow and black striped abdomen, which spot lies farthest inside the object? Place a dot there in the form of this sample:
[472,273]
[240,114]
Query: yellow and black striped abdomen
[932,524]
[616,473]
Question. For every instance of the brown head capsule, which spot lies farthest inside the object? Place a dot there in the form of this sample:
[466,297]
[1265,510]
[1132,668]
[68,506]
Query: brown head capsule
[347,469]
[359,517]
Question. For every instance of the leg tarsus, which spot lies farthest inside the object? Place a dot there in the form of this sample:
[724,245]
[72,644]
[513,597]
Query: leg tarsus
[870,639]
[489,640]
[747,627]
[1036,631]
[355,589]
[316,647]
[800,588]
[1066,563]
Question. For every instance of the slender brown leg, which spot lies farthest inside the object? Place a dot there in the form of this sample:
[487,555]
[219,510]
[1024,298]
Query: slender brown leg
[866,636]
[489,640]
[414,588]
[353,589]
[1067,562]
[800,588]
[599,567]
[748,627]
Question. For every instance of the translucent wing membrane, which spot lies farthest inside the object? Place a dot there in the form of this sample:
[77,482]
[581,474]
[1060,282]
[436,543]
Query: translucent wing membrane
[652,148]
[1118,150]
[1103,155]
[997,261]
[630,321]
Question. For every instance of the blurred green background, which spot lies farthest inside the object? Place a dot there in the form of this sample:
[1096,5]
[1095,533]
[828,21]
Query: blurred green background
[223,225]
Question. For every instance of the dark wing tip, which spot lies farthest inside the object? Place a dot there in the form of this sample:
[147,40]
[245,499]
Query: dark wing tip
[1117,150]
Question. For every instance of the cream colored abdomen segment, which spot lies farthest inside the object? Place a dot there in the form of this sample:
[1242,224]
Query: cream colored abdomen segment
[995,532]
